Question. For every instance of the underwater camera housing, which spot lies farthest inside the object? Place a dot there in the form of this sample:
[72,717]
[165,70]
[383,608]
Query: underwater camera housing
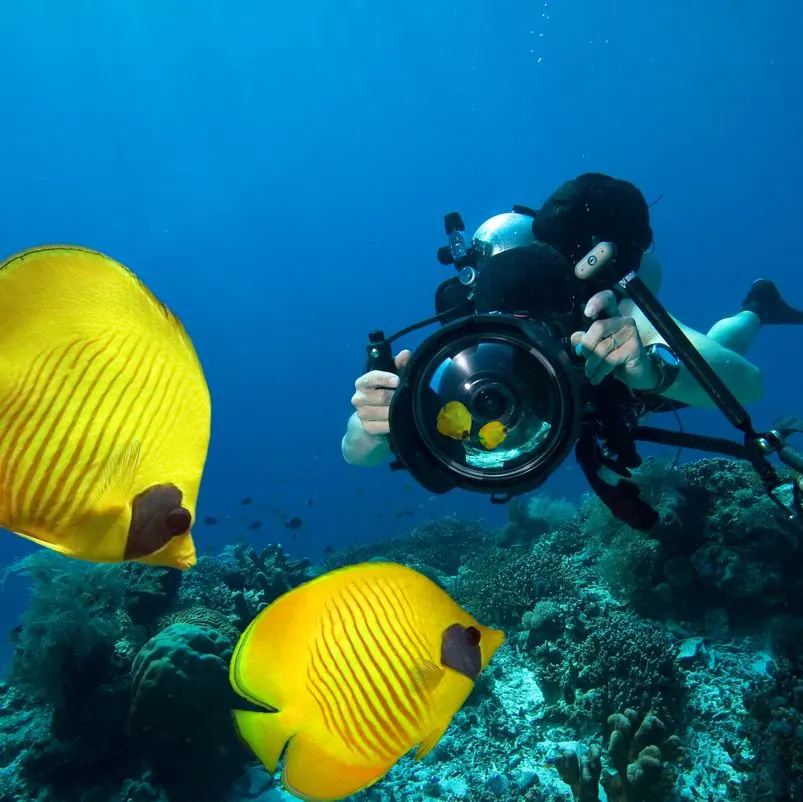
[495,400]
[501,370]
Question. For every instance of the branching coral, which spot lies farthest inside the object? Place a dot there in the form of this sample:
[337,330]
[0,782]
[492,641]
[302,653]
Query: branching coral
[607,662]
[257,578]
[500,586]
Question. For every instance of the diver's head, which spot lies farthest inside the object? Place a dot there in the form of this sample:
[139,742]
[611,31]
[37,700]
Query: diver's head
[523,262]
[596,208]
[501,233]
[517,274]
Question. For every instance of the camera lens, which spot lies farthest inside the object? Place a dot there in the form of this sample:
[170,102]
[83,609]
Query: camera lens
[489,402]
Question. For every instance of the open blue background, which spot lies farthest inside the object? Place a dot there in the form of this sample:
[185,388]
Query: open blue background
[278,173]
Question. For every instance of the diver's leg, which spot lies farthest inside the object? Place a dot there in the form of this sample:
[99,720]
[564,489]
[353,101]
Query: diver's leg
[736,332]
[763,306]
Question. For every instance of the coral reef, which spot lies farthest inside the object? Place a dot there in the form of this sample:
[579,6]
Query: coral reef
[118,687]
[529,518]
[721,544]
[641,757]
[653,667]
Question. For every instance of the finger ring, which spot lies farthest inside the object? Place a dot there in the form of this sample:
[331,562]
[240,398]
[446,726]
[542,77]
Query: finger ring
[613,340]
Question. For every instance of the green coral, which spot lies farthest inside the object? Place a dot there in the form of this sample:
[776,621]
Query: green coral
[179,666]
[76,611]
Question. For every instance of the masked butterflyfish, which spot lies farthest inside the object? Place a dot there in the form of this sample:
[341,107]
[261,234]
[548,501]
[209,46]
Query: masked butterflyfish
[104,411]
[352,670]
[454,420]
[493,434]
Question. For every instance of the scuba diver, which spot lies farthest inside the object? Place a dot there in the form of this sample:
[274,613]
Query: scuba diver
[552,339]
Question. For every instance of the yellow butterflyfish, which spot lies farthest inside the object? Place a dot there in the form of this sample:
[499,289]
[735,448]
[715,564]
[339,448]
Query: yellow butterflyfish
[104,411]
[352,670]
[492,434]
[454,421]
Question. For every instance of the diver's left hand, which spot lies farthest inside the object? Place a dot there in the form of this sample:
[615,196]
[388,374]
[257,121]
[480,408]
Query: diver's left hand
[613,345]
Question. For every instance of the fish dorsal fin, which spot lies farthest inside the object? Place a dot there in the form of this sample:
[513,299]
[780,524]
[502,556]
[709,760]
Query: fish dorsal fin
[116,481]
[429,676]
[428,744]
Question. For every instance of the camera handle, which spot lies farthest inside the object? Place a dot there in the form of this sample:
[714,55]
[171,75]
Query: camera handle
[380,353]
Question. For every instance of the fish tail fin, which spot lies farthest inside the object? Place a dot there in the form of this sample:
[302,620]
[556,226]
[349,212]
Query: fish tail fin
[312,773]
[266,734]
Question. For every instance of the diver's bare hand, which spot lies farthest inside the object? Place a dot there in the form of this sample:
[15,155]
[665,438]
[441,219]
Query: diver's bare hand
[374,392]
[613,345]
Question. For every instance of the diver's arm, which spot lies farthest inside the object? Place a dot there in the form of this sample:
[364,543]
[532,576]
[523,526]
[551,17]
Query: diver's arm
[740,376]
[361,448]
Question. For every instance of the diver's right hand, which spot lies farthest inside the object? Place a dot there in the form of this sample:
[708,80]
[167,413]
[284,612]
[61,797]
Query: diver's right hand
[374,392]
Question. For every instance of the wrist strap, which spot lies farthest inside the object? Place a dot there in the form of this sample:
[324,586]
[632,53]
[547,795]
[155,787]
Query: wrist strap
[666,373]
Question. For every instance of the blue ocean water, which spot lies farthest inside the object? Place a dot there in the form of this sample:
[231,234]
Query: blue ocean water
[278,174]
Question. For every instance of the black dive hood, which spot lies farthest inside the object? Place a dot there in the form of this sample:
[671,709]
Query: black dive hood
[495,400]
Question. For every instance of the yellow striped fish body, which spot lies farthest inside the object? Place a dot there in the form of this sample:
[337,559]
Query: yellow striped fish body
[104,411]
[351,668]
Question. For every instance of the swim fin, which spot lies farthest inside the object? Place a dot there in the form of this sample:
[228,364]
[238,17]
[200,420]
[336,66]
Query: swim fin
[764,299]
